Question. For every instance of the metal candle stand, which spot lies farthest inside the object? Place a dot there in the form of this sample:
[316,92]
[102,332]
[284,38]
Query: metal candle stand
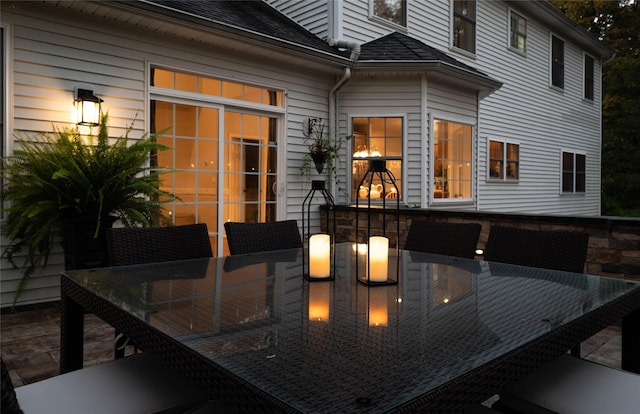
[378,169]
[318,186]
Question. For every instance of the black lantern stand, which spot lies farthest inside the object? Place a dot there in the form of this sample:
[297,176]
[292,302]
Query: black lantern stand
[378,170]
[318,186]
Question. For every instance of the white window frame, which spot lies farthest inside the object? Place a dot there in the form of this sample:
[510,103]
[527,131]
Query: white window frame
[515,49]
[504,160]
[378,19]
[433,117]
[574,174]
[551,63]
[584,77]
[452,34]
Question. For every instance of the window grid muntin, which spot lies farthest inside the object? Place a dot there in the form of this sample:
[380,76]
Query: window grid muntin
[504,161]
[573,172]
[518,32]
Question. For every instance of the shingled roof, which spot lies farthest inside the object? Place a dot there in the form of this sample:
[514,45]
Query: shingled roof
[402,48]
[253,16]
[259,18]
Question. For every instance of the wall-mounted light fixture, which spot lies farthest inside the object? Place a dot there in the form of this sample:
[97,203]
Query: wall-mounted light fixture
[87,107]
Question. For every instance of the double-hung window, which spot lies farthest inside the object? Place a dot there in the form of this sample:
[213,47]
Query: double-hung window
[504,161]
[376,138]
[452,160]
[588,77]
[394,11]
[573,172]
[464,25]
[557,62]
[517,32]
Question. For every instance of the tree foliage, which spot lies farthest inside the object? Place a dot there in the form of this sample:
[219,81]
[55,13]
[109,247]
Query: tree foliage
[617,23]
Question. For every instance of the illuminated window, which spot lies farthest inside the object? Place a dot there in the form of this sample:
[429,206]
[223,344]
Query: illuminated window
[376,137]
[452,160]
[206,85]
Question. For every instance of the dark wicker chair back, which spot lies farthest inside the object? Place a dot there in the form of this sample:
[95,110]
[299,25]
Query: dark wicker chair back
[547,249]
[450,239]
[246,238]
[128,246]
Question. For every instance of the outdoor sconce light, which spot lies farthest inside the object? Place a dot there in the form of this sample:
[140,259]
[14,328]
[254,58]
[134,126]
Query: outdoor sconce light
[308,125]
[376,269]
[318,250]
[87,108]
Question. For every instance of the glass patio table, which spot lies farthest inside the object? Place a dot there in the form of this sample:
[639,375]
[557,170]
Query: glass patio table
[451,333]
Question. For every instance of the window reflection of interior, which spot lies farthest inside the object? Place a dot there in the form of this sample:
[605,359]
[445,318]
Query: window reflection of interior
[372,138]
[452,159]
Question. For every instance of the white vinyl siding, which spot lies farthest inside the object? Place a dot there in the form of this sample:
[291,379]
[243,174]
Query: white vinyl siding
[541,120]
[378,97]
[313,15]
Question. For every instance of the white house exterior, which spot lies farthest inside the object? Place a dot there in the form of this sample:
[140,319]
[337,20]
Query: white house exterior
[236,82]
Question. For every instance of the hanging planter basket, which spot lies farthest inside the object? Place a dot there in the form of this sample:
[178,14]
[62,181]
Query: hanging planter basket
[319,160]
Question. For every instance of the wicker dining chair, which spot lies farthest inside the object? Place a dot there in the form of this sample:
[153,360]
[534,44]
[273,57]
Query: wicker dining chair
[569,383]
[450,239]
[547,249]
[137,384]
[137,245]
[246,238]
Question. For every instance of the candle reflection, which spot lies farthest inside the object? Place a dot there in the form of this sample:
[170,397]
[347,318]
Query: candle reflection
[319,301]
[378,312]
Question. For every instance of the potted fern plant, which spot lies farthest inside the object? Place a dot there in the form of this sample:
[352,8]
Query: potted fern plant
[63,183]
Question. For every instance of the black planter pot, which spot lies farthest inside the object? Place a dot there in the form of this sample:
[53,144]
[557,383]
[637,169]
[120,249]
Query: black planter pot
[81,249]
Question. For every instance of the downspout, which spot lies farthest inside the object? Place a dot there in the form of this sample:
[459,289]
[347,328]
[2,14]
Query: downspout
[346,75]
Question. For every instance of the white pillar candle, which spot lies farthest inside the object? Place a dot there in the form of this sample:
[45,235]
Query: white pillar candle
[320,255]
[319,297]
[378,258]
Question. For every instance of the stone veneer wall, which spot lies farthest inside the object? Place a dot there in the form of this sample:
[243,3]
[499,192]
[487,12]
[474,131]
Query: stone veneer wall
[614,242]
